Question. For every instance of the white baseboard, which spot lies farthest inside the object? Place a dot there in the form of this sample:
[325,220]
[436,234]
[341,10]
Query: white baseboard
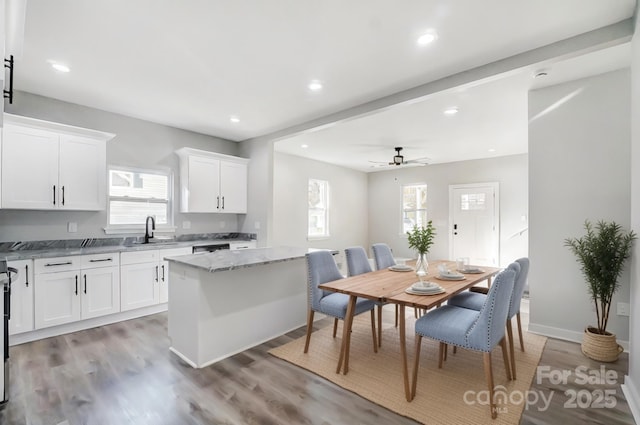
[81,325]
[565,334]
[632,395]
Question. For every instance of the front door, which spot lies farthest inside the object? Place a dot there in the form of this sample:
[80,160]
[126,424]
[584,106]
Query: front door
[474,223]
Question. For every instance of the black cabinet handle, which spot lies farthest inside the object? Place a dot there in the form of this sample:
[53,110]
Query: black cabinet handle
[76,284]
[54,194]
[26,275]
[156,273]
[223,202]
[163,272]
[62,195]
[85,283]
[66,263]
[100,260]
[217,202]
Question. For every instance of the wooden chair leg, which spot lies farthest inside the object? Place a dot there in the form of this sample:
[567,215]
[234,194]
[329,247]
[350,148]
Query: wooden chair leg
[335,326]
[397,313]
[455,349]
[373,330]
[446,350]
[440,354]
[416,364]
[309,329]
[511,348]
[415,312]
[380,326]
[520,331]
[489,374]
[505,357]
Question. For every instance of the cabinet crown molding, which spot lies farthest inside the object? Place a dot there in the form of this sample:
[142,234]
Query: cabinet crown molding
[57,127]
[186,152]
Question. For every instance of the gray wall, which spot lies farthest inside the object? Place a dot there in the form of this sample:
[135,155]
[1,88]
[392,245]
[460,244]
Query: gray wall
[579,168]
[385,202]
[348,207]
[137,143]
[632,381]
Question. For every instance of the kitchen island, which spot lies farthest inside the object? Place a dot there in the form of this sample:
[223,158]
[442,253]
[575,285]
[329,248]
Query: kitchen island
[223,302]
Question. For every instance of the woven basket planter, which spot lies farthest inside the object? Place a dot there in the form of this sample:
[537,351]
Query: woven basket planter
[603,348]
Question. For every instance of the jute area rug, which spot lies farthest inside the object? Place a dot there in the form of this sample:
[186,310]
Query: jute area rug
[455,394]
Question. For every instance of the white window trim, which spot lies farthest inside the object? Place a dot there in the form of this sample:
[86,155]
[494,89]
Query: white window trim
[326,235]
[140,228]
[401,203]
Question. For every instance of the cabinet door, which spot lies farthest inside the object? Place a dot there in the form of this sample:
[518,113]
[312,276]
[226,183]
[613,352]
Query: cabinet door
[29,168]
[164,269]
[139,285]
[57,298]
[100,291]
[21,298]
[203,190]
[233,187]
[82,176]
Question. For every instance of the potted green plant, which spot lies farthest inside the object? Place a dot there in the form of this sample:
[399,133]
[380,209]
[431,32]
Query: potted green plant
[421,238]
[601,254]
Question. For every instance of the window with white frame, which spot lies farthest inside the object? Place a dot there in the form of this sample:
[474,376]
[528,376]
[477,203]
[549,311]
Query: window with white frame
[318,204]
[414,206]
[135,194]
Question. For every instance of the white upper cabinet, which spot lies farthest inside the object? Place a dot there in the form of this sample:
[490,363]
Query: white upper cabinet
[211,182]
[52,166]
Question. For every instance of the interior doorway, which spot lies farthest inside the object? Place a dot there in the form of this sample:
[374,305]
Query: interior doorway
[474,223]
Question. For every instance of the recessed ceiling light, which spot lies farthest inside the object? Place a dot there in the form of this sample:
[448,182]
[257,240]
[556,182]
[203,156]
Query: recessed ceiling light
[315,85]
[492,150]
[427,38]
[234,119]
[59,66]
[451,111]
[304,146]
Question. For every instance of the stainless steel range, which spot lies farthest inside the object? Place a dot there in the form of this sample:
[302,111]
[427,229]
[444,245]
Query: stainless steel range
[6,274]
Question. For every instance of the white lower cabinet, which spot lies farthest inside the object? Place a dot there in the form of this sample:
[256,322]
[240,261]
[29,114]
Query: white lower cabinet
[21,297]
[164,270]
[66,292]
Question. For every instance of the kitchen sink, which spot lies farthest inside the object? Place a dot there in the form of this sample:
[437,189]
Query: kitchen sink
[154,242]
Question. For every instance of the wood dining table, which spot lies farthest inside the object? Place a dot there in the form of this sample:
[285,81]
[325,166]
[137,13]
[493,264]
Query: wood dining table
[389,287]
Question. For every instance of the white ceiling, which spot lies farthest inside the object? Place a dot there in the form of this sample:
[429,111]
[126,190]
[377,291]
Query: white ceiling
[194,63]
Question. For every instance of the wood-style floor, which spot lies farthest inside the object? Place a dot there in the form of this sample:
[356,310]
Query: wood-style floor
[124,374]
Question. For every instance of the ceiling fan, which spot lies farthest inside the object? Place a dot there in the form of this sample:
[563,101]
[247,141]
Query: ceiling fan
[398,159]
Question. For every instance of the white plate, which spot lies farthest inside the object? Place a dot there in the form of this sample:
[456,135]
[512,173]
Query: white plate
[401,268]
[452,277]
[412,292]
[424,286]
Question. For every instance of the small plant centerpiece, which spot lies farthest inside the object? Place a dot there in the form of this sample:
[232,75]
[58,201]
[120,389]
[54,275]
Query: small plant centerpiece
[601,254]
[421,239]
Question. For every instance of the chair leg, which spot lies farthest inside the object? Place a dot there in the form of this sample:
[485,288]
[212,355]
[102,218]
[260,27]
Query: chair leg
[520,331]
[455,349]
[505,357]
[446,351]
[373,330]
[415,312]
[489,374]
[380,326]
[397,315]
[416,364]
[441,354]
[335,326]
[309,329]
[512,353]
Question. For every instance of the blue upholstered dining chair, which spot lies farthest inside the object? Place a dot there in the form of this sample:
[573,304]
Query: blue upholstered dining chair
[322,268]
[470,329]
[358,263]
[475,300]
[383,258]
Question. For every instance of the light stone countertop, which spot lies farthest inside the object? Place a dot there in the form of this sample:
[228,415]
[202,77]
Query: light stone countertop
[63,252]
[218,261]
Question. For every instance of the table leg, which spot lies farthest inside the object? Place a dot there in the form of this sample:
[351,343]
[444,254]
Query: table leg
[403,353]
[489,282]
[346,335]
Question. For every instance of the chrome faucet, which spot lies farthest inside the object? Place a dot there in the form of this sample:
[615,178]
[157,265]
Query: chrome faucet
[146,228]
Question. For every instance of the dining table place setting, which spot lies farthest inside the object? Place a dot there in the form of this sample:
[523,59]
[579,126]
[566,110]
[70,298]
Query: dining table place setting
[444,273]
[425,288]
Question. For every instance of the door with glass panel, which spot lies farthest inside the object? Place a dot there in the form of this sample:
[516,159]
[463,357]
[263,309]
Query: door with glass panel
[474,223]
